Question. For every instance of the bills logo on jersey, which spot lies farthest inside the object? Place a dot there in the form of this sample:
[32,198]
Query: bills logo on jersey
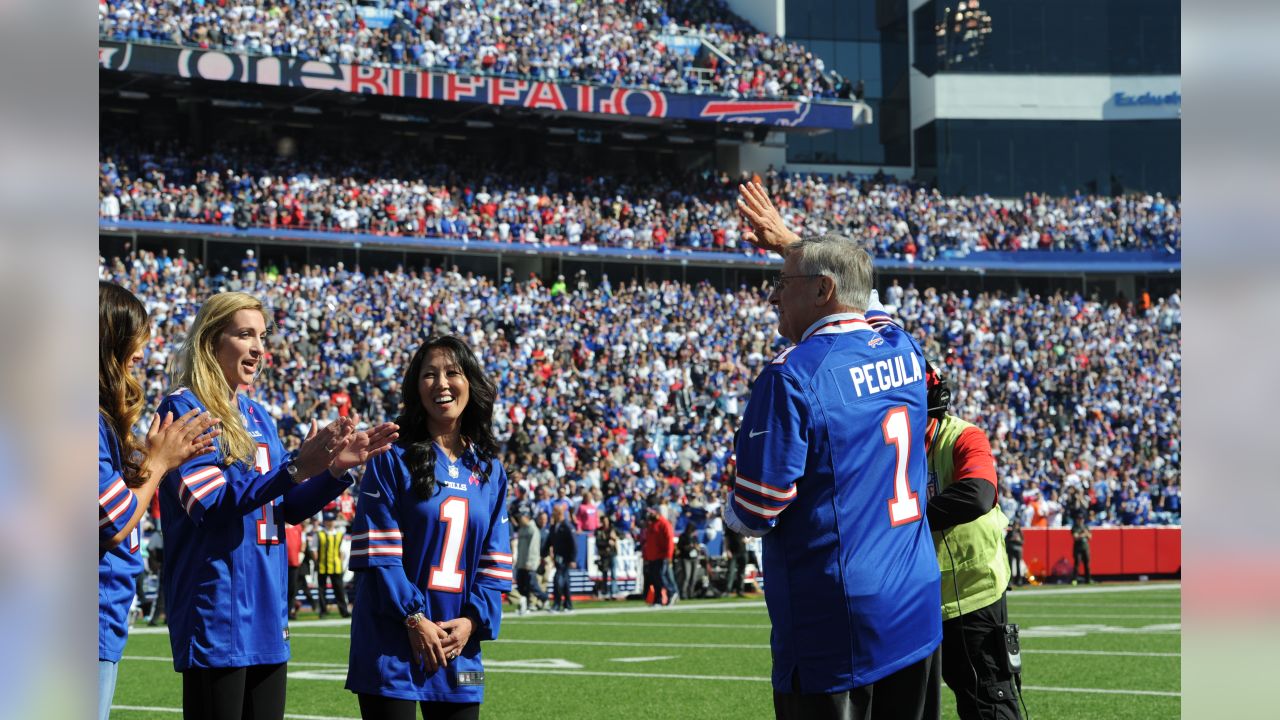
[876,341]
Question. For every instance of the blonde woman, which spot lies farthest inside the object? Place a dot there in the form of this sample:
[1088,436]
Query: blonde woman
[224,515]
[128,472]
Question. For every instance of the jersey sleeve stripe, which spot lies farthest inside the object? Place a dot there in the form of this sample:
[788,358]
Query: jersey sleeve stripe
[377,536]
[758,511]
[769,491]
[495,573]
[496,557]
[108,496]
[389,551]
[200,476]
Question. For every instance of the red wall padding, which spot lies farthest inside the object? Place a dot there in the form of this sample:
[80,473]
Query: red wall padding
[1114,551]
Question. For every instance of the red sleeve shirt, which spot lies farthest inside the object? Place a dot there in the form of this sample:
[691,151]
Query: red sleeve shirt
[971,456]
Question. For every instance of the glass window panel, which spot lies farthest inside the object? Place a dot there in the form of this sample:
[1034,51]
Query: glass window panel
[797,18]
[870,58]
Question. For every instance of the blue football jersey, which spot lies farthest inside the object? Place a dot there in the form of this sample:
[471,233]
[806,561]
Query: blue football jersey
[832,471]
[225,571]
[437,556]
[118,568]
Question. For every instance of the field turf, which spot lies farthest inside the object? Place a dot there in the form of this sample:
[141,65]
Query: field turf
[1104,651]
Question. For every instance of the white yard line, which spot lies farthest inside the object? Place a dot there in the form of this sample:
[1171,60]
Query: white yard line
[1101,691]
[1094,590]
[178,711]
[708,646]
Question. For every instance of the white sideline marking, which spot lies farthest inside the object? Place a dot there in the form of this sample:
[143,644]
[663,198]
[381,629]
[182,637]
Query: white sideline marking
[714,646]
[330,675]
[743,678]
[1032,604]
[1104,653]
[1102,691]
[1045,631]
[1024,594]
[655,658]
[682,606]
[178,711]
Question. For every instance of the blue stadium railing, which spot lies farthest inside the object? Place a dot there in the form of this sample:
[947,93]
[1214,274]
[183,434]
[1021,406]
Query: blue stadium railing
[1026,261]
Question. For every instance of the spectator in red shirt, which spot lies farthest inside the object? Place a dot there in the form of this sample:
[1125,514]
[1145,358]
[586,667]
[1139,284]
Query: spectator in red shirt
[341,400]
[657,541]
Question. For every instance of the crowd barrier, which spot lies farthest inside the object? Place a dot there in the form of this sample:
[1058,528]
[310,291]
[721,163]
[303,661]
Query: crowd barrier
[1149,551]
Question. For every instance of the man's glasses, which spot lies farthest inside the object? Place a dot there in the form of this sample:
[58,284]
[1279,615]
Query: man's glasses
[780,280]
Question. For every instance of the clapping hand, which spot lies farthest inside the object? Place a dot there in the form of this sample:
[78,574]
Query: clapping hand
[172,442]
[323,446]
[363,445]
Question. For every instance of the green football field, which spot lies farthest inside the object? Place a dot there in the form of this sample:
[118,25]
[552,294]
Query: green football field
[1105,651]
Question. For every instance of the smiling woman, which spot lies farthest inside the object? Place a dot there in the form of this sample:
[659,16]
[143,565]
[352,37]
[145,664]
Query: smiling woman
[223,514]
[432,545]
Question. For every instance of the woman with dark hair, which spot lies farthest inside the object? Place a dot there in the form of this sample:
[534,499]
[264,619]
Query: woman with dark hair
[128,472]
[432,546]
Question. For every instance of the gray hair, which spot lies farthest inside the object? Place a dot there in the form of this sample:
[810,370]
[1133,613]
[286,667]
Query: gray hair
[844,261]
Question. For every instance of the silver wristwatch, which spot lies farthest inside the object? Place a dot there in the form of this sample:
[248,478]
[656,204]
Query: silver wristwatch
[412,621]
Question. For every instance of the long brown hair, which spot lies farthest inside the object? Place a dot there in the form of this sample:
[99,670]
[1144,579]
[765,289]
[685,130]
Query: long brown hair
[195,367]
[123,327]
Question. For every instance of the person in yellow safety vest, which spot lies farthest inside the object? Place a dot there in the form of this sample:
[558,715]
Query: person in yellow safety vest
[968,533]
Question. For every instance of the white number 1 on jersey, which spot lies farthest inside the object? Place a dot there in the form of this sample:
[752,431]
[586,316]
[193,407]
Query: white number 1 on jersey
[446,576]
[268,529]
[905,505]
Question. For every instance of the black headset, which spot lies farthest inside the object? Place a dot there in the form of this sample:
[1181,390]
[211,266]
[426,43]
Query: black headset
[939,392]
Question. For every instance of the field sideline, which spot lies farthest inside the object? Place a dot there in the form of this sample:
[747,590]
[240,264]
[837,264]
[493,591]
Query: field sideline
[1109,651]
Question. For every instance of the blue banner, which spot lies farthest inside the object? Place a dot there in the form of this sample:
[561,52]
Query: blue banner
[605,101]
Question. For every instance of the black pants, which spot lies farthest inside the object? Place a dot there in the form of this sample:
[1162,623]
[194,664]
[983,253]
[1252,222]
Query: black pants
[653,578]
[247,693]
[1080,556]
[737,571]
[377,707]
[339,594]
[1015,566]
[298,579]
[975,664]
[912,693]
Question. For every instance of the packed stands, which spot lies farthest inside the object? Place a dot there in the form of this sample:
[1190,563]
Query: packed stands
[693,46]
[390,193]
[633,388]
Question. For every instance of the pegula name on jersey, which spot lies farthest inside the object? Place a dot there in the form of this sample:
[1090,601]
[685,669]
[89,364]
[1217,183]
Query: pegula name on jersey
[889,374]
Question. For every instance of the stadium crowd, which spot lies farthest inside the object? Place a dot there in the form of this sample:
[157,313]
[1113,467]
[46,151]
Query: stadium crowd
[642,43]
[612,394]
[458,199]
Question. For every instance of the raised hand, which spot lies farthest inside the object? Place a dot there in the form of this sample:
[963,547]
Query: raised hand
[364,444]
[768,232]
